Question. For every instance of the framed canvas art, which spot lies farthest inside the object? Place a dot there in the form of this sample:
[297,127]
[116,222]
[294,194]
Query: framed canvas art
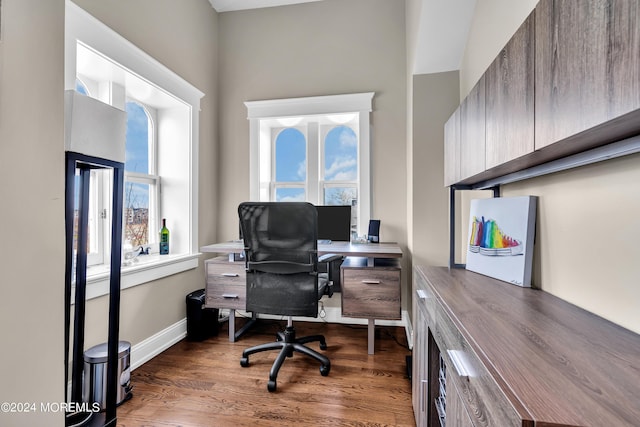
[501,234]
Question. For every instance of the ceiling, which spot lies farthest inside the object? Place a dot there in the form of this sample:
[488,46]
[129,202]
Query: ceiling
[443,27]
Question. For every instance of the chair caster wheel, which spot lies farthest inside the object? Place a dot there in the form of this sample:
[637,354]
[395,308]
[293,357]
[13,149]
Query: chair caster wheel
[271,386]
[324,370]
[244,362]
[323,346]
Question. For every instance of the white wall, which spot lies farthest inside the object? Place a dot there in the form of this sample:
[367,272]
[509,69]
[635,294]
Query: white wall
[588,217]
[32,215]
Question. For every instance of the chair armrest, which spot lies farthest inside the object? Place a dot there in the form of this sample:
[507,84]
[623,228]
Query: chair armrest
[279,267]
[330,258]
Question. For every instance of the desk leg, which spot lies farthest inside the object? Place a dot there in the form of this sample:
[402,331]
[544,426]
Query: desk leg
[371,335]
[232,325]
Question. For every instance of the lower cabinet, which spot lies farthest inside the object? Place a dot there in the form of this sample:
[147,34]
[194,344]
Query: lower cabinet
[456,413]
[488,353]
[449,381]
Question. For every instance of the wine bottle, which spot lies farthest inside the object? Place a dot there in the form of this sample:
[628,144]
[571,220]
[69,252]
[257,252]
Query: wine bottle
[164,238]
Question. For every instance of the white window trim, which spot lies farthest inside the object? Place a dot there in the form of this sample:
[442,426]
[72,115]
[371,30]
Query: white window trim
[361,103]
[80,26]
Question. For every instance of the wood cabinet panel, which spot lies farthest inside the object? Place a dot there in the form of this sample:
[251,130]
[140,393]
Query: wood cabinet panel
[486,403]
[587,68]
[452,149]
[510,99]
[370,292]
[472,131]
[226,285]
[457,415]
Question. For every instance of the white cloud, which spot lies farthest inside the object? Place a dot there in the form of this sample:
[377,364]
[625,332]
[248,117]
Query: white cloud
[302,169]
[348,138]
[342,168]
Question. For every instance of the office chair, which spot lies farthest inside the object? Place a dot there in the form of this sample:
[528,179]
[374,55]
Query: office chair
[280,240]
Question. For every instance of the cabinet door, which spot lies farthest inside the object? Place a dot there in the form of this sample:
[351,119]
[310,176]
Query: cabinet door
[457,415]
[420,381]
[510,99]
[587,65]
[452,149]
[472,131]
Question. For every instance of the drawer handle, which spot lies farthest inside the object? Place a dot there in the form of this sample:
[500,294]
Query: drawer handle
[230,296]
[422,294]
[230,274]
[460,363]
[423,401]
[371,282]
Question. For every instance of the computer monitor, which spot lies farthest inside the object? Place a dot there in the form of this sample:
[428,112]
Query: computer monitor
[334,223]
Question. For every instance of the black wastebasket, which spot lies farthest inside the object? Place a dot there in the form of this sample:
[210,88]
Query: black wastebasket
[202,323]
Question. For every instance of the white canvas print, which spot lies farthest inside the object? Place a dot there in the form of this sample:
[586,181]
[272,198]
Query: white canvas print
[501,233]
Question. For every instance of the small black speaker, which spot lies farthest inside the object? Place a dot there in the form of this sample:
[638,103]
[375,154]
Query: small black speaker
[374,231]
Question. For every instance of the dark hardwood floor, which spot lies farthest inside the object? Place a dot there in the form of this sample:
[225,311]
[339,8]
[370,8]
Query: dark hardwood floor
[203,384]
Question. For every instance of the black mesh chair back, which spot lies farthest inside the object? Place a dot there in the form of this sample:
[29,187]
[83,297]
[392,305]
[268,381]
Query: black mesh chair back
[280,240]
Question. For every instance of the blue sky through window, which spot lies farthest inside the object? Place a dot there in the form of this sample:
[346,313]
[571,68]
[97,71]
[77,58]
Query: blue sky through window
[137,147]
[291,156]
[341,155]
[137,155]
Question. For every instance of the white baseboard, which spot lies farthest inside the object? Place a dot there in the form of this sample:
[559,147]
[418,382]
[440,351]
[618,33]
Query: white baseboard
[157,343]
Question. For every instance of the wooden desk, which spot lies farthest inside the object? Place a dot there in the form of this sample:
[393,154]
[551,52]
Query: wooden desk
[366,250]
[222,272]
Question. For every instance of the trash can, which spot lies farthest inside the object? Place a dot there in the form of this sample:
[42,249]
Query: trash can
[202,322]
[94,387]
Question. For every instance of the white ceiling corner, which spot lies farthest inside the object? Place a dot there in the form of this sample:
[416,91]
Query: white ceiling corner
[231,5]
[443,30]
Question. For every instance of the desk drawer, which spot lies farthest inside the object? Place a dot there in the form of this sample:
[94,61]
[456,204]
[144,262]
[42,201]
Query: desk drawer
[480,394]
[371,292]
[226,284]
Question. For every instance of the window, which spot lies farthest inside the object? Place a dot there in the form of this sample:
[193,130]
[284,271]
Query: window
[313,149]
[141,184]
[160,156]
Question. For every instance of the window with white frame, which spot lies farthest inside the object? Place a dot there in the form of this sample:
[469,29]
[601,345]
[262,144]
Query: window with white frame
[313,149]
[160,152]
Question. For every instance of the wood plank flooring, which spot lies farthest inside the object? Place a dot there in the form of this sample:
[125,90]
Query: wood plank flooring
[202,383]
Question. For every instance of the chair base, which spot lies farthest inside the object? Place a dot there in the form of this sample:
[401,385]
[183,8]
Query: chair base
[287,343]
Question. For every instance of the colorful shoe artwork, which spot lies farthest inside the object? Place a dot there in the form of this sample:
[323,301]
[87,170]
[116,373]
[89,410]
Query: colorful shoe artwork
[488,239]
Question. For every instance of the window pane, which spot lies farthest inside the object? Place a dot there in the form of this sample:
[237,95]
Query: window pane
[291,156]
[341,155]
[137,145]
[81,88]
[136,214]
[290,195]
[339,195]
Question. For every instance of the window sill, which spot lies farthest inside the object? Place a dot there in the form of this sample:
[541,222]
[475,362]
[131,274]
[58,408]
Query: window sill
[151,267]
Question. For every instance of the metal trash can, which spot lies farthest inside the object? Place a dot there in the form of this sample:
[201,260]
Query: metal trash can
[202,322]
[94,388]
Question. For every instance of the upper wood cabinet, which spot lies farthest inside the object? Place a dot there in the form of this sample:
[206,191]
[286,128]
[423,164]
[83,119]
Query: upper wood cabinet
[510,99]
[587,66]
[472,131]
[452,149]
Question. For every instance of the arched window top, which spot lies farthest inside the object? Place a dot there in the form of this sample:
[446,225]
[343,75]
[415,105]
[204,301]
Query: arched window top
[138,138]
[290,156]
[341,155]
[81,87]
